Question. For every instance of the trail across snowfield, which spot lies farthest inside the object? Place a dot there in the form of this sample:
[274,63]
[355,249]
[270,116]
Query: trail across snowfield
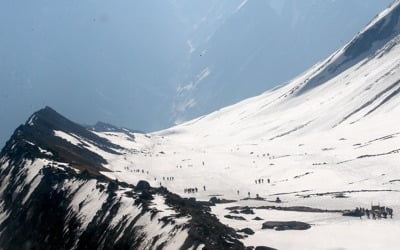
[329,139]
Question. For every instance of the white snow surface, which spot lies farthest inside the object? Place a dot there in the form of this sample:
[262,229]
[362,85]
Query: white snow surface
[341,137]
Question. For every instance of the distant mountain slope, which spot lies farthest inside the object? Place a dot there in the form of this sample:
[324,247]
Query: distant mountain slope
[262,44]
[379,32]
[357,81]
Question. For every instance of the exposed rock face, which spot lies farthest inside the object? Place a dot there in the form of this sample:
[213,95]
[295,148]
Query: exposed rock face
[142,185]
[247,231]
[234,217]
[214,200]
[286,225]
[247,210]
[264,248]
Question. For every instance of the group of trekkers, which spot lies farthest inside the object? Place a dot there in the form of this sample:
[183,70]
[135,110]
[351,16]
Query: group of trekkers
[140,171]
[168,178]
[376,212]
[261,181]
[193,190]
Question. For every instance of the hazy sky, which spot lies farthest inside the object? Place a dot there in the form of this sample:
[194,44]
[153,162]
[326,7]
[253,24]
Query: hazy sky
[126,61]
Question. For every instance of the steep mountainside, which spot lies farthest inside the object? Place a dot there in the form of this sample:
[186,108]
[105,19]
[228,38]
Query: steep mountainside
[258,44]
[328,140]
[53,197]
[294,158]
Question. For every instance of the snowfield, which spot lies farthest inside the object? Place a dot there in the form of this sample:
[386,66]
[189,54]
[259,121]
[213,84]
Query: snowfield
[326,142]
[333,145]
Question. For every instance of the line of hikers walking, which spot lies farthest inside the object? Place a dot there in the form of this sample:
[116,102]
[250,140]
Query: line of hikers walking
[376,212]
[193,190]
[261,181]
[168,178]
[138,170]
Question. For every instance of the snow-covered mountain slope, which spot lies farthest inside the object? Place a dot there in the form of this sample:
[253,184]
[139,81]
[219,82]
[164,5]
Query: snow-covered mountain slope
[356,112]
[323,143]
[52,196]
[330,133]
[254,45]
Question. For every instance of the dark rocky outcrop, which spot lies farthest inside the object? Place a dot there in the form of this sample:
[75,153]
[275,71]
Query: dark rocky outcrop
[247,210]
[286,225]
[247,231]
[204,228]
[228,216]
[264,248]
[214,200]
[292,208]
[260,248]
[142,185]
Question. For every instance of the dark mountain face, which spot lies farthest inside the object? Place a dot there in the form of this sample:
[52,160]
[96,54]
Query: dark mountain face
[39,132]
[47,202]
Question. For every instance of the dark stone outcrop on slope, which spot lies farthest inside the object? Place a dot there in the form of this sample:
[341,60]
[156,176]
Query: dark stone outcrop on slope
[142,185]
[232,217]
[246,210]
[264,248]
[204,227]
[247,231]
[286,225]
[214,200]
